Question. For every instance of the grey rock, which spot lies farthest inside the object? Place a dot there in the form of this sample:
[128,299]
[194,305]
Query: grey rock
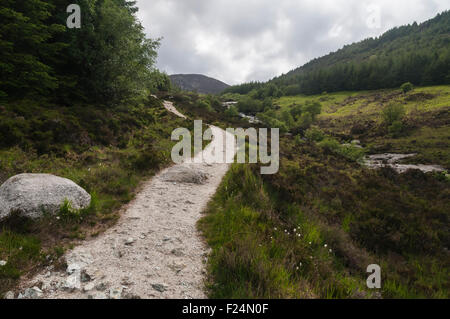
[31,293]
[32,194]
[126,281]
[73,268]
[101,286]
[118,253]
[182,174]
[85,277]
[177,268]
[115,293]
[129,241]
[98,295]
[88,287]
[159,287]
[9,295]
[177,252]
[73,282]
[131,296]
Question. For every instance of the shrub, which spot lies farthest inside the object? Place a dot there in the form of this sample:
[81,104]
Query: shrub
[393,113]
[396,128]
[314,134]
[204,104]
[232,111]
[249,105]
[406,87]
[348,151]
[305,121]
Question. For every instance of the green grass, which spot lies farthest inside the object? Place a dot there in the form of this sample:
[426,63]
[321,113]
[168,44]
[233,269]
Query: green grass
[20,251]
[370,103]
[109,165]
[364,216]
[258,255]
[359,115]
[431,143]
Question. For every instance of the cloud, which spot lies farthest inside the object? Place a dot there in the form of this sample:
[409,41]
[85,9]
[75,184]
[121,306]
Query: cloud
[244,40]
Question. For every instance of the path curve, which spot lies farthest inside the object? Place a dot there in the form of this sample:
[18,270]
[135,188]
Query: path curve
[155,249]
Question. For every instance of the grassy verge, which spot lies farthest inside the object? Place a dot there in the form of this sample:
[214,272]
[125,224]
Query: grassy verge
[312,229]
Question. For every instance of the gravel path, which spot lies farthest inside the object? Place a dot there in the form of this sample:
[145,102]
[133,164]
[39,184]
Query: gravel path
[154,250]
[171,108]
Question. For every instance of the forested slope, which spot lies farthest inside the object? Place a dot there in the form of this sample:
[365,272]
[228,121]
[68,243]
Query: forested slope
[416,53]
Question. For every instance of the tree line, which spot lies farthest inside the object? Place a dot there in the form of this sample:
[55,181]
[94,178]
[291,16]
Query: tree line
[108,60]
[417,53]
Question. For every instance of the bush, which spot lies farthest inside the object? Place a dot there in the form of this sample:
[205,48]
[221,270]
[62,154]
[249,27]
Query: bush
[269,120]
[406,87]
[231,112]
[204,104]
[393,113]
[249,105]
[396,128]
[348,151]
[305,120]
[314,134]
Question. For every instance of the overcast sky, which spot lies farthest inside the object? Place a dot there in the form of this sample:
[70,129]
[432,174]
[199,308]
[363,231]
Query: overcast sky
[244,40]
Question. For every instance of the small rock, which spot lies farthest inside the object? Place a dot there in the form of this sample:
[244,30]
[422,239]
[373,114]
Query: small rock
[88,287]
[101,286]
[98,295]
[73,282]
[46,286]
[159,287]
[177,267]
[129,241]
[177,252]
[126,281]
[72,268]
[9,295]
[32,293]
[2,263]
[85,277]
[131,296]
[115,293]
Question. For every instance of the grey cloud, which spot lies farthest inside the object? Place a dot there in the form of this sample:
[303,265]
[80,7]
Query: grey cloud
[244,40]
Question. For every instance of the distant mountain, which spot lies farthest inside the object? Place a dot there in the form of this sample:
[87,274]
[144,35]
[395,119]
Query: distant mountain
[198,83]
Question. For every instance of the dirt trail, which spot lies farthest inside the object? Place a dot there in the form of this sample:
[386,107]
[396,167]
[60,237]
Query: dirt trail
[169,107]
[154,250]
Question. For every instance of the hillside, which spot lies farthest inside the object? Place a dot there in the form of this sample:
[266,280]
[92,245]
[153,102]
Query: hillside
[416,53]
[198,83]
[310,230]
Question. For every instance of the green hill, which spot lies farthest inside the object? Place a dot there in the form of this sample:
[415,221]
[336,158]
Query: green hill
[417,53]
